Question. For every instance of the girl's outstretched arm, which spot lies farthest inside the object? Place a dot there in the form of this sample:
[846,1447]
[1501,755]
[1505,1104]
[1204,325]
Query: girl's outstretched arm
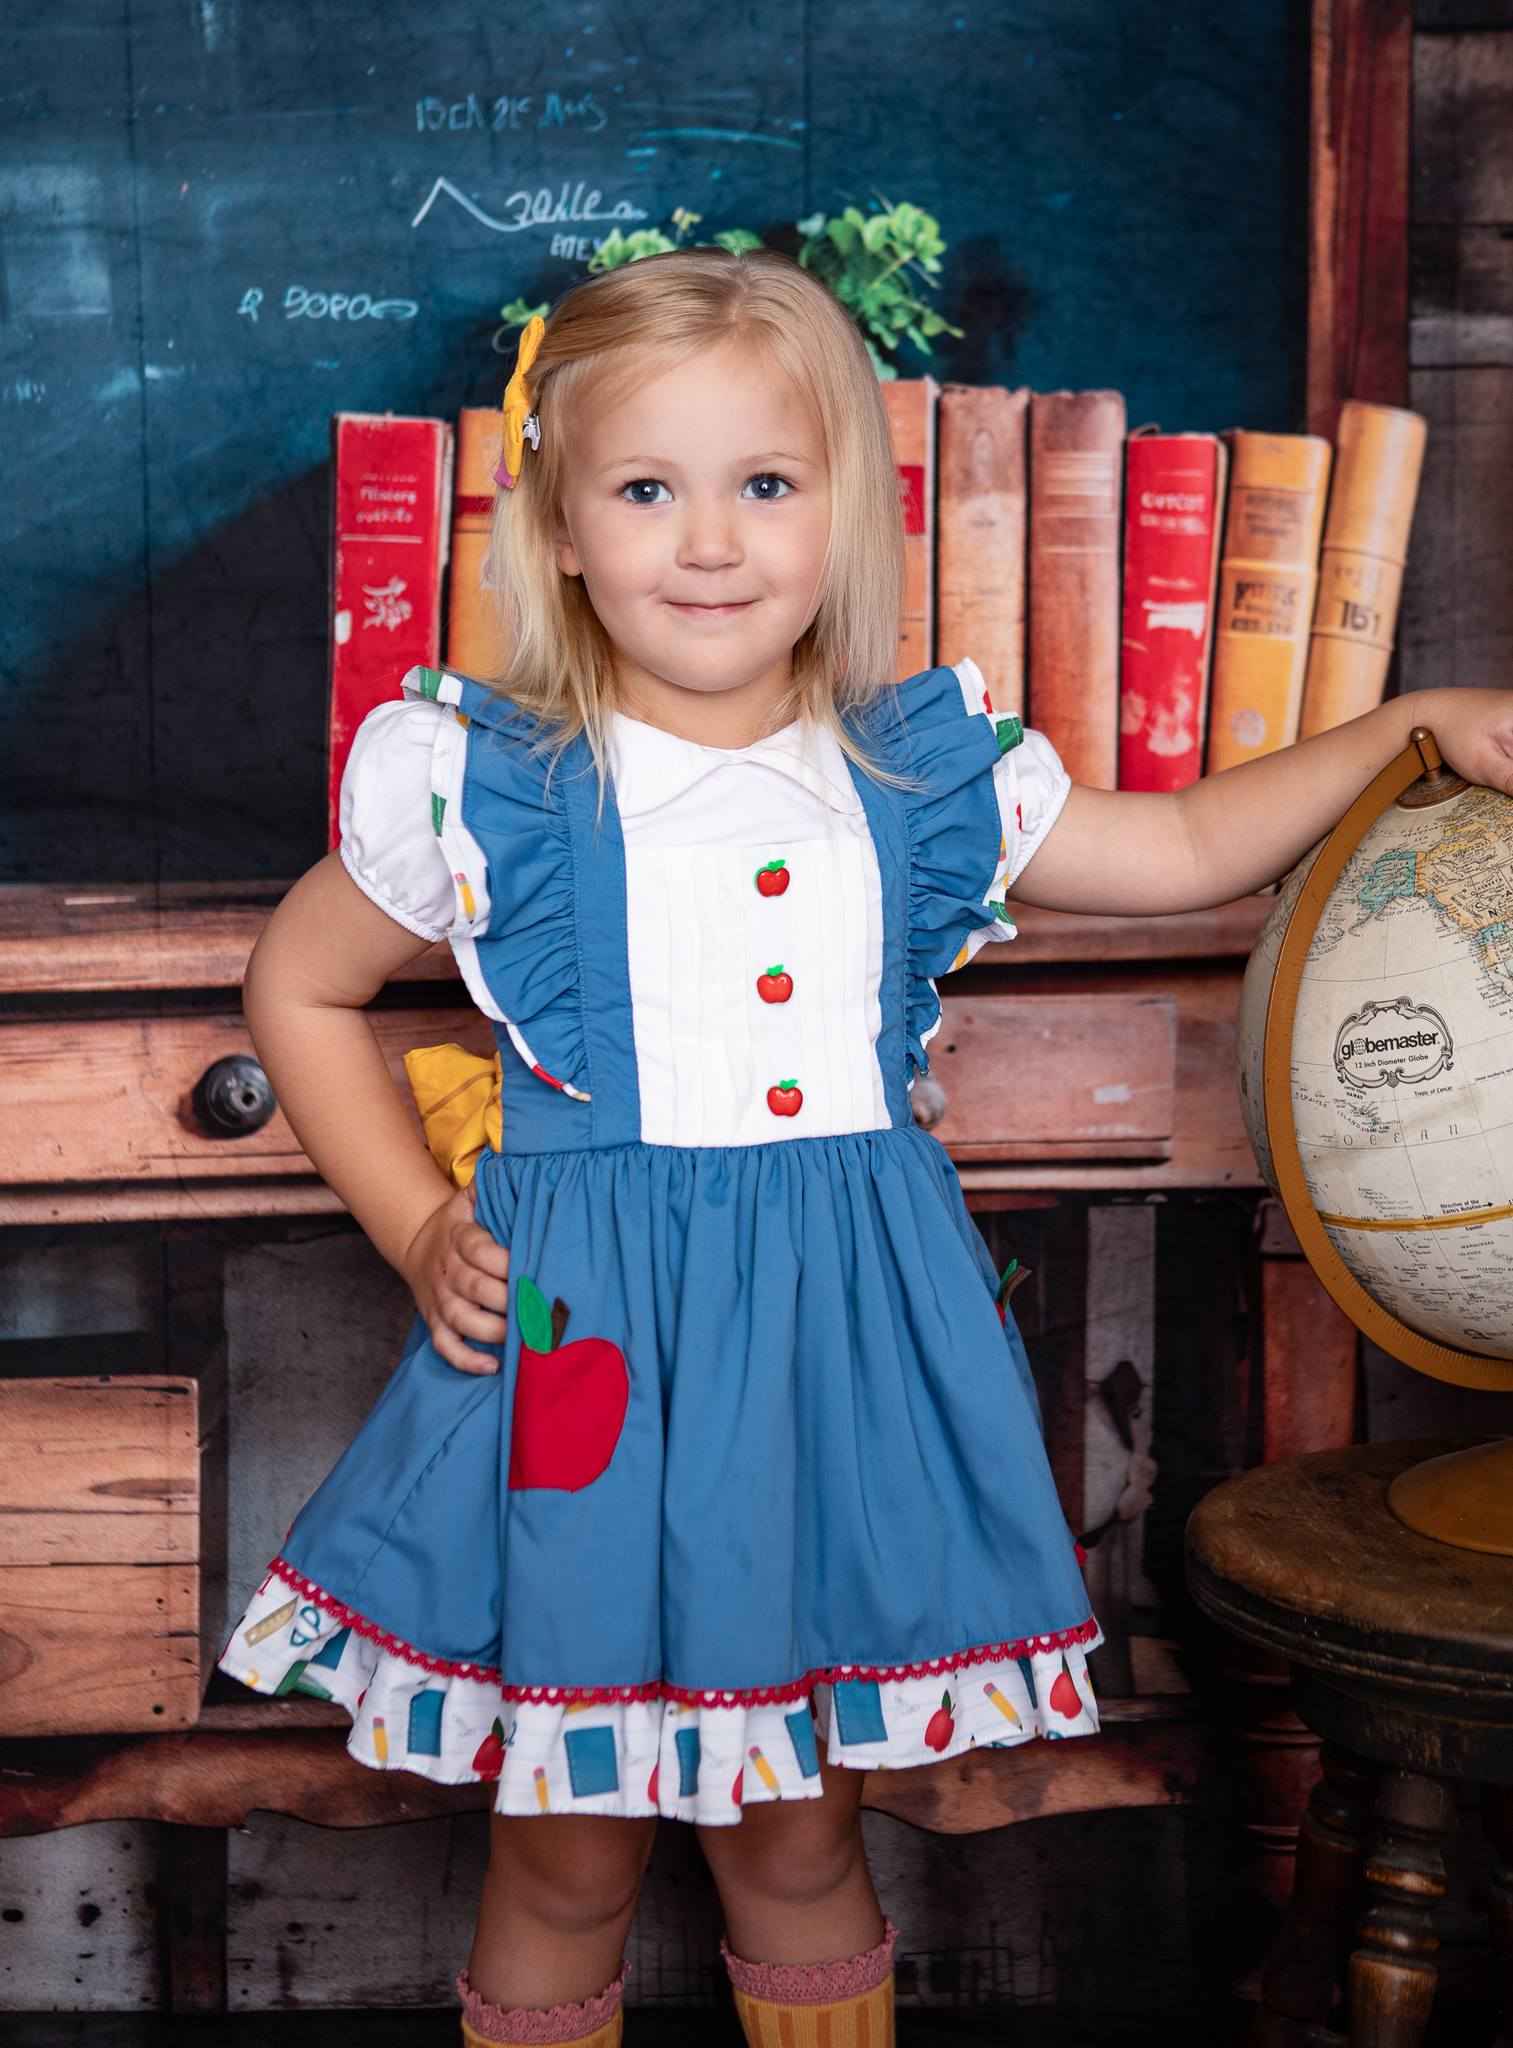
[1122,852]
[325,952]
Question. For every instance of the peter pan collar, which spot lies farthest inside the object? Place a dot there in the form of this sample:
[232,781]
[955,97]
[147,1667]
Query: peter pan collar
[654,766]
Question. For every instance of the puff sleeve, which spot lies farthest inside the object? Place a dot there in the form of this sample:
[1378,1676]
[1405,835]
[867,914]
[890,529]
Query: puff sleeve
[402,773]
[1030,784]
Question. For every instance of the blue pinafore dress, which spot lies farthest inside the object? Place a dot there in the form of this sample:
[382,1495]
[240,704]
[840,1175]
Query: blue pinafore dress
[762,1472]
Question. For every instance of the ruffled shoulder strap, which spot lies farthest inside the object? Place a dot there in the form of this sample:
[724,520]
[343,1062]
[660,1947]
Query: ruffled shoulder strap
[506,838]
[939,729]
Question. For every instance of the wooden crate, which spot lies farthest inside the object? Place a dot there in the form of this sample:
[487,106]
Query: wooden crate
[100,1536]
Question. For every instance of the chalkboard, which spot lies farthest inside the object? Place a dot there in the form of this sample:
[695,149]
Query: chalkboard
[223,220]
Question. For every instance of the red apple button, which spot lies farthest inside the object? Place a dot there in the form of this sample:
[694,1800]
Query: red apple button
[775,986]
[772,879]
[785,1099]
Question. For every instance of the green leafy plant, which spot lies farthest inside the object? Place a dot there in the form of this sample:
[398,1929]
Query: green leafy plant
[872,262]
[875,264]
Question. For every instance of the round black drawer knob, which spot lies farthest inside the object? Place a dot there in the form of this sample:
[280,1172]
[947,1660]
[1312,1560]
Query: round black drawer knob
[232,1098]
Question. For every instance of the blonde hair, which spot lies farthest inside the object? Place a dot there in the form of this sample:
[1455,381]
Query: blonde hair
[640,319]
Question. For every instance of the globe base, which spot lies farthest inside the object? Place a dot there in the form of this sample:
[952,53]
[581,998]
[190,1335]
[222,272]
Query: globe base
[1464,1498]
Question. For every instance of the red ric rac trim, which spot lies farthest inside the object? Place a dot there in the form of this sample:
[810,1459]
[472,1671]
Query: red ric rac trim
[657,1689]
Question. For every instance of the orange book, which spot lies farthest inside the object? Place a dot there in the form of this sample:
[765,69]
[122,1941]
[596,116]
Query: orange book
[910,404]
[980,527]
[1378,460]
[1076,482]
[1267,577]
[474,630]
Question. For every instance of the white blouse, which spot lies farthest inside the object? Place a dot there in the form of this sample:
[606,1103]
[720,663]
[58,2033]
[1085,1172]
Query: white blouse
[713,1032]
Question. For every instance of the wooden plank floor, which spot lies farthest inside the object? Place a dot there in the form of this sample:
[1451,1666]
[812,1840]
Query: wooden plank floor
[1457,2025]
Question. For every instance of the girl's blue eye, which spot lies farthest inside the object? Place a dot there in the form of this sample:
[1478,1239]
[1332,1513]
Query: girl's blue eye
[766,476]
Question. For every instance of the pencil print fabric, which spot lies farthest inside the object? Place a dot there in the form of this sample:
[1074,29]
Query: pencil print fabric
[694,1763]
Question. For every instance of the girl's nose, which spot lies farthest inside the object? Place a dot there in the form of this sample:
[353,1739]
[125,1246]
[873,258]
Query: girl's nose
[709,536]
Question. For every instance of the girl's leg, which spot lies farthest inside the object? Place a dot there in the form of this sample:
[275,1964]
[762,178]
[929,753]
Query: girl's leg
[557,1903]
[809,1954]
[792,1876]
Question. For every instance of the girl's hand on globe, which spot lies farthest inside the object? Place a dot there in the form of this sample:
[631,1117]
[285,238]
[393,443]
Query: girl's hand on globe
[1473,730]
[457,1272]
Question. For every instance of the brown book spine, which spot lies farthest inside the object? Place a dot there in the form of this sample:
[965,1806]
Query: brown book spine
[1076,485]
[910,403]
[1267,577]
[980,529]
[475,631]
[1378,460]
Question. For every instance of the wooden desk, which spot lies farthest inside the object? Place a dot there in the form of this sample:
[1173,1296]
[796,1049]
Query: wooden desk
[1093,1053]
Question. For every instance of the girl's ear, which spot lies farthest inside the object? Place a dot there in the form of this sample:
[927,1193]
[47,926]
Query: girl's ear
[562,547]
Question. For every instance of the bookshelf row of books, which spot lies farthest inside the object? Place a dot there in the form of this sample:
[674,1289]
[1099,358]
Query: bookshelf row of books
[1160,605]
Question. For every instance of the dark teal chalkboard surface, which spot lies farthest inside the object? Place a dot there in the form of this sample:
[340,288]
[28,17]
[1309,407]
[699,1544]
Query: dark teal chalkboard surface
[223,220]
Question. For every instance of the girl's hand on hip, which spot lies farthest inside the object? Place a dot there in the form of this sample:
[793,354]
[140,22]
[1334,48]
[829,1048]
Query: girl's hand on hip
[457,1273]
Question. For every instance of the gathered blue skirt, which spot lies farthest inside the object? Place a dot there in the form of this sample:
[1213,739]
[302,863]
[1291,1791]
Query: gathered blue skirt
[746,1452]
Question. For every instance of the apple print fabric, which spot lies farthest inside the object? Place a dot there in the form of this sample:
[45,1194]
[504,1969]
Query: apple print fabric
[763,1469]
[693,1763]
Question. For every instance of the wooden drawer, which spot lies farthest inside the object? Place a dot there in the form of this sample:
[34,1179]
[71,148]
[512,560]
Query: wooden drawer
[1056,1077]
[99,1555]
[104,1115]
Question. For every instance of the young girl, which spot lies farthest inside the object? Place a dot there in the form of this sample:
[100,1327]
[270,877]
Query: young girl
[746,1493]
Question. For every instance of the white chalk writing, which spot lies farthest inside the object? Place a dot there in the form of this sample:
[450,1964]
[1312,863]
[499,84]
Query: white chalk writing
[535,209]
[436,115]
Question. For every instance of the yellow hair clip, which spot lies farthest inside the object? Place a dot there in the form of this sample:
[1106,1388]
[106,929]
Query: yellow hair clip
[520,423]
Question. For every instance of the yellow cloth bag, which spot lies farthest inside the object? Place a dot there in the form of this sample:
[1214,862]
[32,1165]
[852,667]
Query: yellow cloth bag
[457,1094]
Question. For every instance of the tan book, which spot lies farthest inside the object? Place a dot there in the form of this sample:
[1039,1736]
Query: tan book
[981,507]
[1268,573]
[1076,485]
[910,403]
[1378,460]
[474,634]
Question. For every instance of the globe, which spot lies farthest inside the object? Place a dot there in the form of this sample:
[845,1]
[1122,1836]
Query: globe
[1374,1043]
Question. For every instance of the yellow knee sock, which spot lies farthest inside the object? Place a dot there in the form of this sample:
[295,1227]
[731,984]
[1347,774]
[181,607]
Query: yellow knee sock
[847,2004]
[595,2023]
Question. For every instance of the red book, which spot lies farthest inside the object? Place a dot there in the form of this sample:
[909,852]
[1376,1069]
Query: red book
[391,509]
[1173,518]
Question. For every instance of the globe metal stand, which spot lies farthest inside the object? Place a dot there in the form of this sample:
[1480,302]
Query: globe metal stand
[1463,1498]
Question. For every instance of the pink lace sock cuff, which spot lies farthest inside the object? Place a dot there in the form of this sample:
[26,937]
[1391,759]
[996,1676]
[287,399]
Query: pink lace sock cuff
[813,1983]
[534,2023]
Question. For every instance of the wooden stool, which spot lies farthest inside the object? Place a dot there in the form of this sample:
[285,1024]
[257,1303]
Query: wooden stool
[1401,1654]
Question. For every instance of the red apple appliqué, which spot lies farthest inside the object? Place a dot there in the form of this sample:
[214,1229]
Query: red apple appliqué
[570,1400]
[775,986]
[772,879]
[785,1099]
[489,1760]
[940,1727]
[1064,1695]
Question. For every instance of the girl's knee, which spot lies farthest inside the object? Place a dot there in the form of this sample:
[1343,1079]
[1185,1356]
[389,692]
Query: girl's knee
[790,1852]
[576,1871]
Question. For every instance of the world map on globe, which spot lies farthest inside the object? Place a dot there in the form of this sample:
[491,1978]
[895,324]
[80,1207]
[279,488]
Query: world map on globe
[1402,1063]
